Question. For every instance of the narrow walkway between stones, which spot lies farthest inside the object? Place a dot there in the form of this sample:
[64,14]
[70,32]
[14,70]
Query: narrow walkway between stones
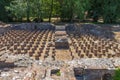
[62,44]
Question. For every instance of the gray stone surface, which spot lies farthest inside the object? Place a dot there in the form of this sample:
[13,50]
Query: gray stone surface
[37,69]
[26,68]
[32,26]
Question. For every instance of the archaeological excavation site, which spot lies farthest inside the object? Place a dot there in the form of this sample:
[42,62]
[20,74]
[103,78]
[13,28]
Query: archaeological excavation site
[59,39]
[46,51]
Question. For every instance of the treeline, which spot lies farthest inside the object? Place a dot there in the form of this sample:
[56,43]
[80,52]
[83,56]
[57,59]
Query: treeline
[66,10]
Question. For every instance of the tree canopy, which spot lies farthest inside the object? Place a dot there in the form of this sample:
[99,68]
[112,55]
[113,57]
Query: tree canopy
[108,10]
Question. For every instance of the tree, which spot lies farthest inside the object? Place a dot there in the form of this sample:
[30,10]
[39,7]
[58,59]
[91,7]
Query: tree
[96,9]
[18,9]
[28,10]
[107,9]
[36,6]
[74,8]
[111,10]
[51,9]
[3,12]
[82,6]
[67,10]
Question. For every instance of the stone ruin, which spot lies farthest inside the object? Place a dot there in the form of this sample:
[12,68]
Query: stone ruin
[33,26]
[77,52]
[92,41]
[61,41]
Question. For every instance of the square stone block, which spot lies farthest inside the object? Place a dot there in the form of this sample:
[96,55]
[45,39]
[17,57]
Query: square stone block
[61,43]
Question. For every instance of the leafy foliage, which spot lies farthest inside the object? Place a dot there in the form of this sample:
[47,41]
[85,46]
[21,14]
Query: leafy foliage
[58,73]
[110,10]
[117,74]
[96,9]
[65,9]
[3,13]
[74,8]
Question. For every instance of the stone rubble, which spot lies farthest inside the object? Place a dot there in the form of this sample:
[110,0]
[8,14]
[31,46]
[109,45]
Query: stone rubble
[23,67]
[32,26]
[30,69]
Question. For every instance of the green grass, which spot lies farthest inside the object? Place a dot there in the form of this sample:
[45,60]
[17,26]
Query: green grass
[58,73]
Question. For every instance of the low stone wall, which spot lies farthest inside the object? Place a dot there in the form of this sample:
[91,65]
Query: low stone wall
[98,74]
[61,44]
[4,29]
[26,26]
[96,30]
[93,74]
[33,26]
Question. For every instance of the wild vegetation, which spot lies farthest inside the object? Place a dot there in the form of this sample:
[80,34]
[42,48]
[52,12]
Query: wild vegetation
[66,10]
[117,74]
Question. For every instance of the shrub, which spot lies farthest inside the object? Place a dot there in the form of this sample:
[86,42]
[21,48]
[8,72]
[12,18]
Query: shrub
[117,74]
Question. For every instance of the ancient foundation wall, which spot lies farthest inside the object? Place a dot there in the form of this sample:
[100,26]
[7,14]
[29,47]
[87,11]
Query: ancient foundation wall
[99,74]
[26,26]
[4,29]
[33,26]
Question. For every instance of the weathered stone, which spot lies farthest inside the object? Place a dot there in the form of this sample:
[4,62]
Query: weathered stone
[61,43]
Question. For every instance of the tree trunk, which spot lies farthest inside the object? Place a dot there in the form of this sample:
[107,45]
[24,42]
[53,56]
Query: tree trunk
[95,19]
[51,9]
[28,11]
[71,10]
[39,10]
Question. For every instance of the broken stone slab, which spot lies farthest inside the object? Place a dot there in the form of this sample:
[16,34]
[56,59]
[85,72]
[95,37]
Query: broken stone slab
[48,78]
[116,62]
[60,33]
[92,63]
[6,64]
[61,43]
[34,26]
